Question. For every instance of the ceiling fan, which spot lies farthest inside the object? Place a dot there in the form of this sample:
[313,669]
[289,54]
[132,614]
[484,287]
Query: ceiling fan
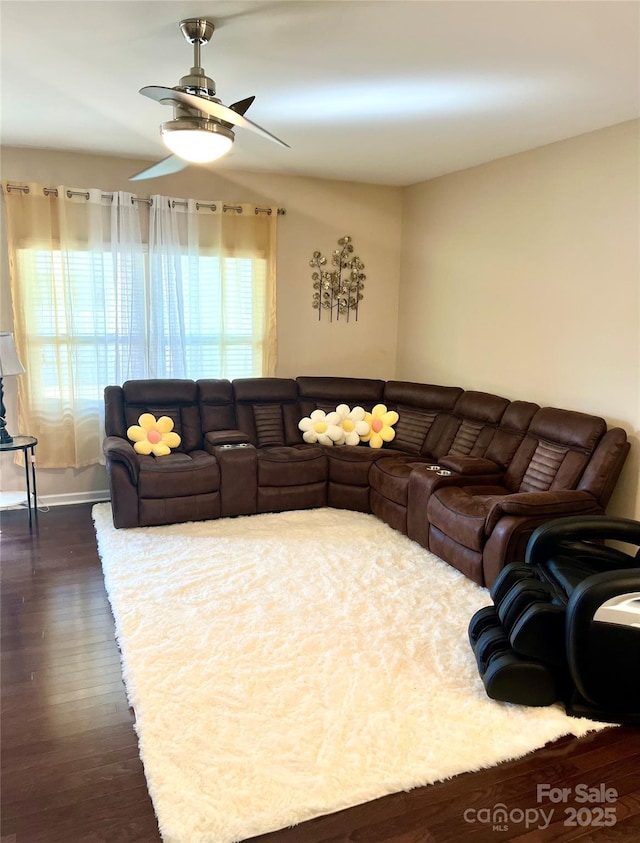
[202,127]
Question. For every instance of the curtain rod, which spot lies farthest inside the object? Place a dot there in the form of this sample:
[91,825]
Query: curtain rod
[173,202]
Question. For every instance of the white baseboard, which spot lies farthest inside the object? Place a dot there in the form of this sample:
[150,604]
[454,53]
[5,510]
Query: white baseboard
[66,499]
[74,497]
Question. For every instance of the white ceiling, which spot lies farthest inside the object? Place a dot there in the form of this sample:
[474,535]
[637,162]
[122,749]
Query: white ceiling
[387,92]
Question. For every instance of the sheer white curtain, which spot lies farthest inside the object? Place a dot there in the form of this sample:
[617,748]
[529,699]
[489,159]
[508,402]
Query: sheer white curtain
[98,299]
[77,282]
[170,252]
[211,289]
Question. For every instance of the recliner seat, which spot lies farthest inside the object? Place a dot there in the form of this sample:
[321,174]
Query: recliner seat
[349,467]
[483,527]
[290,474]
[182,486]
[466,431]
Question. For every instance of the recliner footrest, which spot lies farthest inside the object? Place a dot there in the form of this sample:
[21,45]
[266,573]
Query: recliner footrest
[506,675]
[539,633]
[511,678]
[483,619]
[510,574]
[491,644]
[533,621]
[520,597]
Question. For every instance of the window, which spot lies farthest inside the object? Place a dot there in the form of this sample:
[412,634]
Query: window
[97,304]
[89,320]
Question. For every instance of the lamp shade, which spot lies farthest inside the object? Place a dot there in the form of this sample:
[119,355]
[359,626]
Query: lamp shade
[9,362]
[197,139]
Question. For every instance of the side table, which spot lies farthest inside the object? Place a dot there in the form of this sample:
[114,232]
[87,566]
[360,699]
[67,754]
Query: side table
[26,444]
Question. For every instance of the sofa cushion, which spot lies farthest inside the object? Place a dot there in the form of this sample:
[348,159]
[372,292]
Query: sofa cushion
[269,424]
[483,407]
[390,478]
[292,466]
[350,465]
[217,410]
[476,416]
[466,437]
[542,469]
[511,431]
[423,396]
[412,428]
[576,430]
[555,450]
[268,390]
[267,410]
[178,475]
[175,398]
[325,393]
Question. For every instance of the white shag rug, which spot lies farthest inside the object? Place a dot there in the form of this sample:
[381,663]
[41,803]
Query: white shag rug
[289,665]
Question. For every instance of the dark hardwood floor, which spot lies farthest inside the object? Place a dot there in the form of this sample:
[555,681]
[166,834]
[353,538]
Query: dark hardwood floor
[70,766]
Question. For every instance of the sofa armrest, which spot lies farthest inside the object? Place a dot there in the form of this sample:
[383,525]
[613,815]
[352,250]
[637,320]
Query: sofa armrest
[541,504]
[470,466]
[119,449]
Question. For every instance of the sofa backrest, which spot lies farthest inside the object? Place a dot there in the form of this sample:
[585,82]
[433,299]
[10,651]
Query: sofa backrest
[476,417]
[267,410]
[217,408]
[425,415]
[511,431]
[326,393]
[555,451]
[172,397]
[601,474]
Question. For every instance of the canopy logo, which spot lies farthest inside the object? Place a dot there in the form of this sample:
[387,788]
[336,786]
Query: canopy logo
[499,817]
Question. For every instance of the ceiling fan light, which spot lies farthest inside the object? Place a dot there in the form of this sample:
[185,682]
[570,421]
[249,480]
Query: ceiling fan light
[199,141]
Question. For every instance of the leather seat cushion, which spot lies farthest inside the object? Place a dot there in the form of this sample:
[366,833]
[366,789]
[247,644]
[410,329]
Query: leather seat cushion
[292,466]
[350,464]
[178,475]
[461,512]
[390,478]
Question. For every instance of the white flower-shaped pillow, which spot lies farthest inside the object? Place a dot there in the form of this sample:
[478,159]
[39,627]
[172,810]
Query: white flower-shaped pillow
[321,427]
[352,423]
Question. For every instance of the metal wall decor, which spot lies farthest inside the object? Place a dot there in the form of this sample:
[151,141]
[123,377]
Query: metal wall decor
[338,290]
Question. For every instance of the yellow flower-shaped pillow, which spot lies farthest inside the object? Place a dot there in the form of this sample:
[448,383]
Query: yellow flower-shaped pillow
[153,436]
[380,426]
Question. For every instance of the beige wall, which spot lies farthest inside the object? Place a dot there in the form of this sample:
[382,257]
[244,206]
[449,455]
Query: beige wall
[318,213]
[521,277]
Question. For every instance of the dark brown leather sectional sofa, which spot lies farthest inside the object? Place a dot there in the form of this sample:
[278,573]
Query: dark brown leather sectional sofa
[505,467]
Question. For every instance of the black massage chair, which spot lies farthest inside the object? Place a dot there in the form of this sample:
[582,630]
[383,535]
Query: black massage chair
[565,624]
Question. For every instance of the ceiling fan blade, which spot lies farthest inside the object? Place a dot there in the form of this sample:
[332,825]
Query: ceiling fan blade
[169,165]
[213,109]
[242,106]
[167,96]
